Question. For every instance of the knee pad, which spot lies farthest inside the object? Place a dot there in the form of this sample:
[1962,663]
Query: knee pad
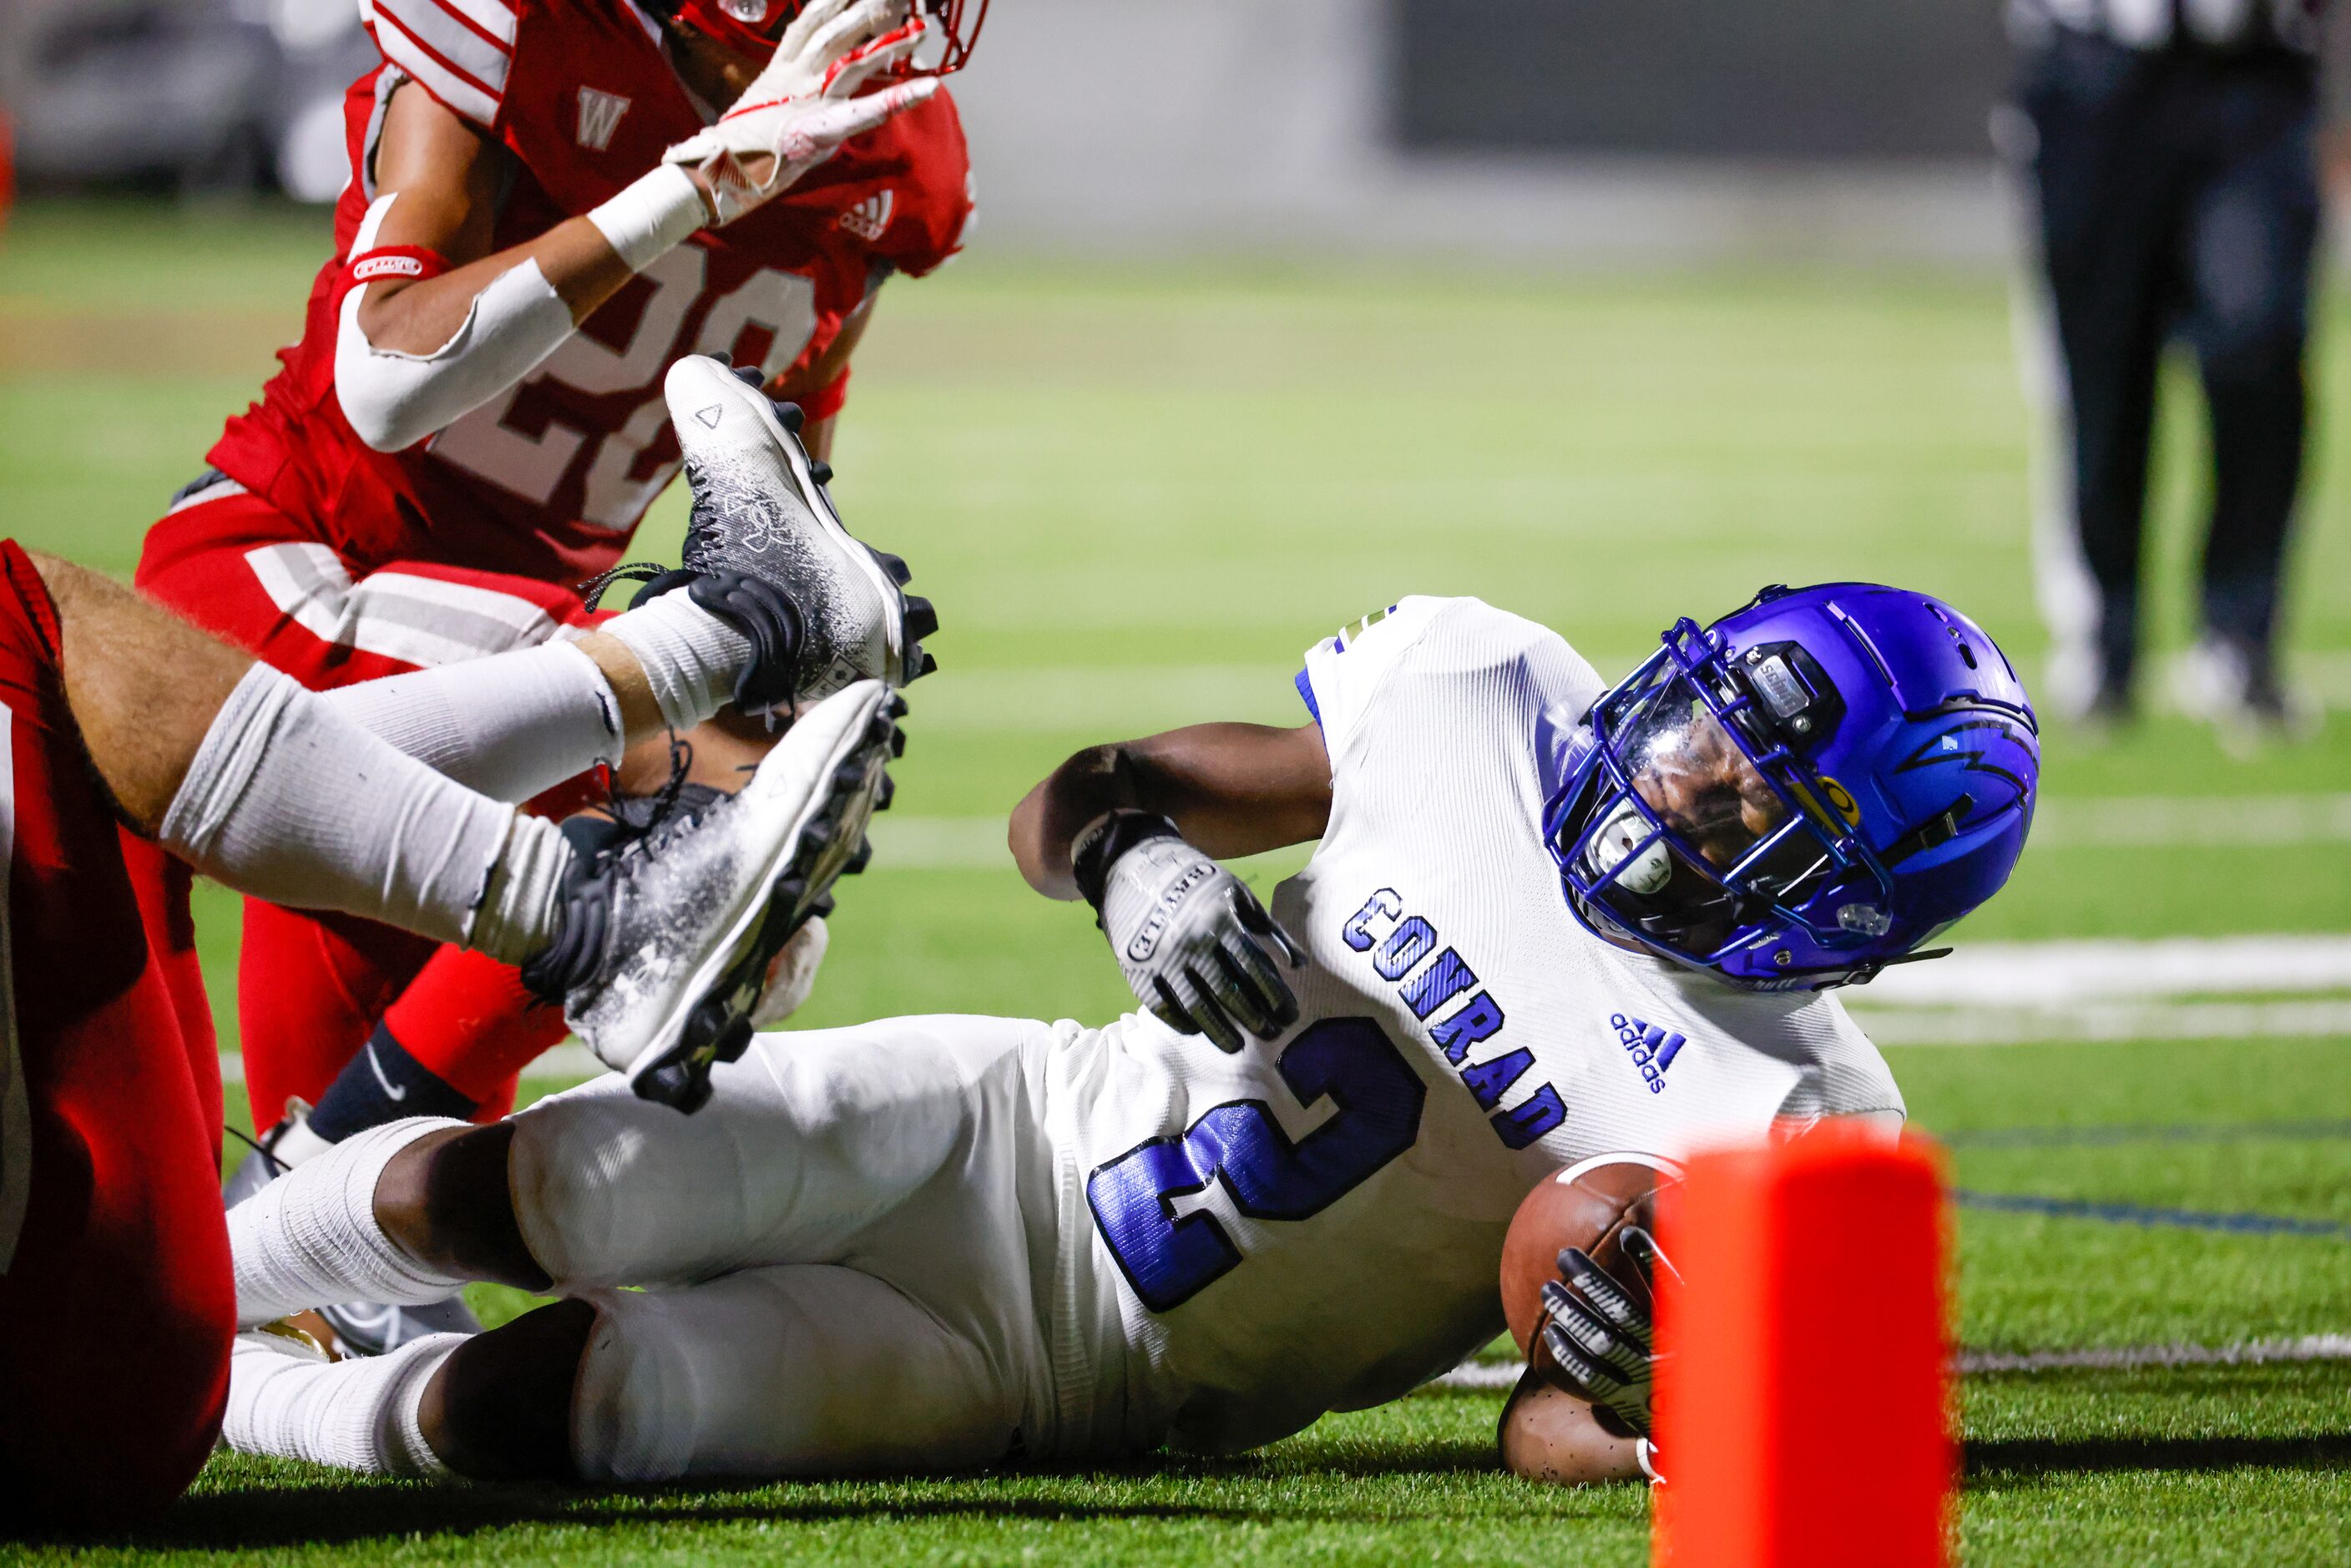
[612,1191]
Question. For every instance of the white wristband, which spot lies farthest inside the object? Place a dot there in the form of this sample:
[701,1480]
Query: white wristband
[651,216]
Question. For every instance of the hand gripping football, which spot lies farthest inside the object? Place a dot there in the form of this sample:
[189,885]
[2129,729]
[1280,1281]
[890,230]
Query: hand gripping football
[1587,1205]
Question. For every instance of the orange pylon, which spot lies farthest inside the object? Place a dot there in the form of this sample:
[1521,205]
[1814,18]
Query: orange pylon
[1803,1405]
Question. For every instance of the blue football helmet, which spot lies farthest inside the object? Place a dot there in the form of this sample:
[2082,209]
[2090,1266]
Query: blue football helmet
[1801,793]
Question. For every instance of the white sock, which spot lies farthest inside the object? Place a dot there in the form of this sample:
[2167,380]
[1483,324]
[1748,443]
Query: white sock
[508,726]
[356,1415]
[518,912]
[690,656]
[310,1238]
[290,800]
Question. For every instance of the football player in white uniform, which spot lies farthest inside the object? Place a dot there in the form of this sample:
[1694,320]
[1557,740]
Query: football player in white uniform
[1545,920]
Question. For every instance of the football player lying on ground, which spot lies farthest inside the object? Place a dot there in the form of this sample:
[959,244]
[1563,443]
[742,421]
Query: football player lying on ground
[933,1242]
[546,209]
[656,942]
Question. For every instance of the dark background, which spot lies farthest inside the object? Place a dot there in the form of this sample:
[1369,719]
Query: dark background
[1782,79]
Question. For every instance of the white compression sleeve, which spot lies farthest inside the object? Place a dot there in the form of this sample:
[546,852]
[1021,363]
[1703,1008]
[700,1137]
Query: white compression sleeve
[651,216]
[310,1239]
[290,800]
[395,399]
[355,1415]
[508,726]
[690,657]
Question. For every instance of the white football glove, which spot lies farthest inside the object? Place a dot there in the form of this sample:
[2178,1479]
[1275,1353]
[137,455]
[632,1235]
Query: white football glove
[799,110]
[1193,943]
[1601,1340]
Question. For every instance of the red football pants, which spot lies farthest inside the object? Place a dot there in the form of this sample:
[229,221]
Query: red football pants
[311,987]
[116,1300]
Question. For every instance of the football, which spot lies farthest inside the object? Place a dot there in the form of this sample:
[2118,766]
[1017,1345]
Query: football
[1585,1206]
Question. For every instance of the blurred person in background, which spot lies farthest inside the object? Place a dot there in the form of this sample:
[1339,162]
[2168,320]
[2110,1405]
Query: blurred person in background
[2167,148]
[546,209]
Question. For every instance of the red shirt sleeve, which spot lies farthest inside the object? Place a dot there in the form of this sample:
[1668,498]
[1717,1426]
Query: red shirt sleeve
[460,51]
[935,206]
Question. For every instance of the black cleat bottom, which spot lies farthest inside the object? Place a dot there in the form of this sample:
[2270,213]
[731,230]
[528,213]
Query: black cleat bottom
[921,620]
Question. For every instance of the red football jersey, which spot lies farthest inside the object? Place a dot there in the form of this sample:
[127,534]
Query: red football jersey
[550,478]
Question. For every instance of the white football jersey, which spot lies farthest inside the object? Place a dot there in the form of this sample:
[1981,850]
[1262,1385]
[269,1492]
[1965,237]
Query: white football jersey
[1317,1222]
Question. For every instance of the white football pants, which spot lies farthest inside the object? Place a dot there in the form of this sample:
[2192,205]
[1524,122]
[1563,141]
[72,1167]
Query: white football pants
[850,1255]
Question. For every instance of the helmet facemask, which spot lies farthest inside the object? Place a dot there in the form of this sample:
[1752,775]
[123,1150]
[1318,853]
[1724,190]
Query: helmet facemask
[1686,823]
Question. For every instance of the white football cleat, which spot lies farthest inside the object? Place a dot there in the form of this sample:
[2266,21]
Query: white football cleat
[761,510]
[668,931]
[2237,690]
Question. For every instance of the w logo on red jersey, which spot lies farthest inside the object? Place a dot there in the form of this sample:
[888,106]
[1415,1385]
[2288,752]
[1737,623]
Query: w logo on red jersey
[599,116]
[868,217]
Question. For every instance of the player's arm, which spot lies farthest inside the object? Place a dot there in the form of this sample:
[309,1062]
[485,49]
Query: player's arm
[1229,788]
[437,181]
[1132,829]
[436,322]
[1581,1412]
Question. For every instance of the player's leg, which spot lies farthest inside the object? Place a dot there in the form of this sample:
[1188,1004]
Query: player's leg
[806,1142]
[907,1152]
[780,1371]
[2252,238]
[314,987]
[2103,182]
[451,1039]
[161,886]
[272,790]
[110,1213]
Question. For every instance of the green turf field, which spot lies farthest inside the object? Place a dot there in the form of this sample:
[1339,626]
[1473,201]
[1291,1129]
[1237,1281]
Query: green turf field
[1136,494]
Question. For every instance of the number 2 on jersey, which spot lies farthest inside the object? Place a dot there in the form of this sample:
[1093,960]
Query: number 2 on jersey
[1168,1258]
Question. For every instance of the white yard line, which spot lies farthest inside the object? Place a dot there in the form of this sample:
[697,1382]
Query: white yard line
[2014,993]
[1494,1375]
[2028,974]
[2166,821]
[2105,1022]
[2250,1353]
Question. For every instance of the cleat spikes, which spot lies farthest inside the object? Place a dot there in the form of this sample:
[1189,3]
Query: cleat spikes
[897,743]
[861,860]
[921,620]
[930,662]
[882,797]
[749,375]
[895,565]
[897,708]
[789,417]
[822,905]
[734,1041]
[820,470]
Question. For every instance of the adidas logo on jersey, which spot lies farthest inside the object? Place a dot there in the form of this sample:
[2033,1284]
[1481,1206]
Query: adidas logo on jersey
[1652,1049]
[599,116]
[868,217]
